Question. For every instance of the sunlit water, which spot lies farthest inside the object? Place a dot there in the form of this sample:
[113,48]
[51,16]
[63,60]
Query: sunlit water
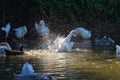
[77,65]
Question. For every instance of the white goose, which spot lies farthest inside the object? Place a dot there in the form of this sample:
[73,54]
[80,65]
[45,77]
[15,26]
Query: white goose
[27,69]
[85,34]
[20,32]
[65,44]
[6,29]
[117,50]
[3,46]
[28,74]
[42,30]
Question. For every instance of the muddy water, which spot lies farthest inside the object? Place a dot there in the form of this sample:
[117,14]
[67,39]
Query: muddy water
[77,65]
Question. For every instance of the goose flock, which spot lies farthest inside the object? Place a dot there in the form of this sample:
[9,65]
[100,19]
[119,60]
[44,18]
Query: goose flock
[21,31]
[63,44]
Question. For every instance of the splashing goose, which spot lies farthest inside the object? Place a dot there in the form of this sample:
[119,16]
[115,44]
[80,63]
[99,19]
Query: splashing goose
[42,30]
[20,32]
[65,44]
[6,29]
[27,73]
[85,34]
[4,46]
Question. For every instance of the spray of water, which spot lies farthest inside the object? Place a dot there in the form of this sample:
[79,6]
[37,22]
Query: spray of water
[52,42]
[61,44]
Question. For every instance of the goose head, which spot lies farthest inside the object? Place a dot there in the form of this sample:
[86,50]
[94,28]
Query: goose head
[85,34]
[37,26]
[42,23]
[21,48]
[74,33]
[6,45]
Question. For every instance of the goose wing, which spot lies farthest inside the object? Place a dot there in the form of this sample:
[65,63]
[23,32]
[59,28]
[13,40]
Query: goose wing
[27,69]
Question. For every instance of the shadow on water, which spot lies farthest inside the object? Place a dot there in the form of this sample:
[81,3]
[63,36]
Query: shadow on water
[79,65]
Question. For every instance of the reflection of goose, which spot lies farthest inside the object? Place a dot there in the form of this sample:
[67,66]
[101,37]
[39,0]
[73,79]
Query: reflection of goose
[65,44]
[4,46]
[20,32]
[14,52]
[85,34]
[42,30]
[28,74]
[117,50]
[6,29]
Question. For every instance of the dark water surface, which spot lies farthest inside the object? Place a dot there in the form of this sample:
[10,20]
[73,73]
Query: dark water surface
[77,65]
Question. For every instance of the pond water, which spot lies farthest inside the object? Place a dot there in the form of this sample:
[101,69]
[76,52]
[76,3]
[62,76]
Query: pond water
[77,65]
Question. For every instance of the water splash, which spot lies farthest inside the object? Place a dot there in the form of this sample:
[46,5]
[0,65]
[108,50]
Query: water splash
[47,42]
[61,44]
[53,42]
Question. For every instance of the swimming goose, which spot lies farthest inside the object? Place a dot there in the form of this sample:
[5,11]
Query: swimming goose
[27,73]
[20,32]
[4,46]
[117,50]
[14,52]
[85,34]
[42,30]
[6,29]
[65,44]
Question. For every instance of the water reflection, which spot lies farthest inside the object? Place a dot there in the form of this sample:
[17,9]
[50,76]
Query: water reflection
[77,65]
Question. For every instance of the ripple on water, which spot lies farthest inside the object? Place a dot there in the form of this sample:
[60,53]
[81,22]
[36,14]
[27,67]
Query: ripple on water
[64,66]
